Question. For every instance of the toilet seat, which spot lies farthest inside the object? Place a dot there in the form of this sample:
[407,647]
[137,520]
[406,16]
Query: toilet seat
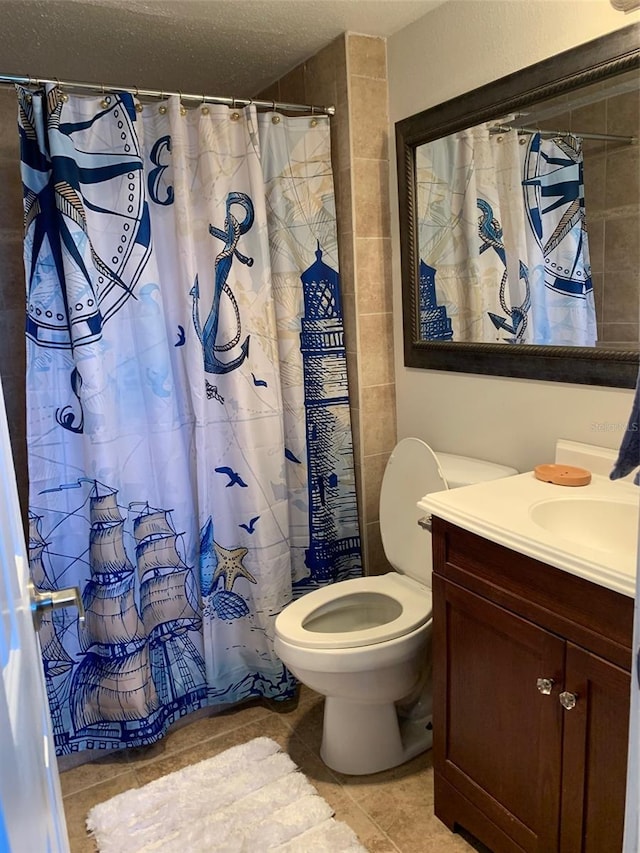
[402,605]
[413,470]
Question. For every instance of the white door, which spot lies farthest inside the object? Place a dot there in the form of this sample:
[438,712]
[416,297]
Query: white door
[31,813]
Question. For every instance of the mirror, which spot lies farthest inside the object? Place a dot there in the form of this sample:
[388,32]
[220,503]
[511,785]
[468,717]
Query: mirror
[472,304]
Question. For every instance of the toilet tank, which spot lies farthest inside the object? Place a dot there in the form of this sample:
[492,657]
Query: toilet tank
[413,471]
[465,471]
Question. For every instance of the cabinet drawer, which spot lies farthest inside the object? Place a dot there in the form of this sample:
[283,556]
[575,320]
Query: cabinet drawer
[591,616]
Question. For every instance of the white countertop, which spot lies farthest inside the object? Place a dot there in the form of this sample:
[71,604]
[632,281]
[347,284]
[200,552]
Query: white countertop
[499,510]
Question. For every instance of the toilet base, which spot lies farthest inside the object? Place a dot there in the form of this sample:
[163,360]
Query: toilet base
[361,738]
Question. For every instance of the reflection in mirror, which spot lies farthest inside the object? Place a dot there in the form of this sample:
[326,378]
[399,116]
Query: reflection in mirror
[504,223]
[519,218]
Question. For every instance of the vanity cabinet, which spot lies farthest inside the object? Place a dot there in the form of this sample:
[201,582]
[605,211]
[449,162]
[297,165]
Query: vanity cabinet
[531,670]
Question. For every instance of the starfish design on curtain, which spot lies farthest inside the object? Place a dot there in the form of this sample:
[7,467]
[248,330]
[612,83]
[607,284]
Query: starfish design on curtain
[230,565]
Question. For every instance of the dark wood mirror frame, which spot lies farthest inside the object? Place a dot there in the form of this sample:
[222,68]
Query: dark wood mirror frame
[596,60]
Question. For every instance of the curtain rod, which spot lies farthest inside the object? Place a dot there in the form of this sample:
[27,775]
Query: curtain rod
[13,79]
[605,136]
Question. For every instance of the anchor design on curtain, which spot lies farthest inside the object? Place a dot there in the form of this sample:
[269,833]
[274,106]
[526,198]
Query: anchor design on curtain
[491,237]
[231,234]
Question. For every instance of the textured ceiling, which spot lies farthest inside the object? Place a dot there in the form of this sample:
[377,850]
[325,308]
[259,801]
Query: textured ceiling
[222,47]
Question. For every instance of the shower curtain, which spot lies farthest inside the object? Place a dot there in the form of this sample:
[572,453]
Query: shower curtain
[502,240]
[189,439]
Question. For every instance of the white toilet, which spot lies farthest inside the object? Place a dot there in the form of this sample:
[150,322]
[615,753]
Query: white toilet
[365,643]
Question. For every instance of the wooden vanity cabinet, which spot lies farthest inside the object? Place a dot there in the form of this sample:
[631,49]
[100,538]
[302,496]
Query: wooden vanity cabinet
[513,639]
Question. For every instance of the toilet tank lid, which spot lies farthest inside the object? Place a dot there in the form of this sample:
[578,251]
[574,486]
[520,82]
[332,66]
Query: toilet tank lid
[465,471]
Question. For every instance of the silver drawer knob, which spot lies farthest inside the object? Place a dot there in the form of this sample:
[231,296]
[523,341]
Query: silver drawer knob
[426,522]
[545,685]
[568,700]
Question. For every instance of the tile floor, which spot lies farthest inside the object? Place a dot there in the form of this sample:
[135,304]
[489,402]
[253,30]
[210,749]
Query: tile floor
[391,812]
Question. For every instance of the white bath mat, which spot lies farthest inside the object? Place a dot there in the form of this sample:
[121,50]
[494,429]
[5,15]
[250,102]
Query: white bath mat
[248,799]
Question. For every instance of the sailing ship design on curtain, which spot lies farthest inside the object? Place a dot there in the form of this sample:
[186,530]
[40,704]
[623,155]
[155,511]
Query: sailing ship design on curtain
[112,684]
[139,666]
[167,590]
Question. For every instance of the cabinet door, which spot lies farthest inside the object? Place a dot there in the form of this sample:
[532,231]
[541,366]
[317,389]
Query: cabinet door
[596,731]
[497,739]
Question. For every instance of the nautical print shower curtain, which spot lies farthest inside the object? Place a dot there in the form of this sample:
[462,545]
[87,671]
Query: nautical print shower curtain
[190,456]
[502,240]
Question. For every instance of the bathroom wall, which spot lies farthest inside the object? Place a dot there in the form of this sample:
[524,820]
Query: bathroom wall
[12,288]
[455,48]
[351,74]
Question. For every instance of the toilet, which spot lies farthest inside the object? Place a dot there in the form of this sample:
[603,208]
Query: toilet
[365,643]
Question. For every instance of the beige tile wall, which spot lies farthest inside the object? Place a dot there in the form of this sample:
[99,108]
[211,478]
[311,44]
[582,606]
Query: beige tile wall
[612,204]
[351,73]
[12,288]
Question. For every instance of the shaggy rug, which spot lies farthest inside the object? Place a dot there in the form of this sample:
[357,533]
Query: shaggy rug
[249,799]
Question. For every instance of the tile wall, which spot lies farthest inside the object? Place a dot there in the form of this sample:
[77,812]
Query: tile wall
[612,203]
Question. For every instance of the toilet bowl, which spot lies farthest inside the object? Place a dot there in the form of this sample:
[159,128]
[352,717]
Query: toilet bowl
[365,643]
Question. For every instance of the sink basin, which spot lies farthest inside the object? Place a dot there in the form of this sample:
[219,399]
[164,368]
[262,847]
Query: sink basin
[601,524]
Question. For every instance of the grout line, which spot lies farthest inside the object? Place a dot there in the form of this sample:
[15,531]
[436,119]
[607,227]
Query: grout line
[126,768]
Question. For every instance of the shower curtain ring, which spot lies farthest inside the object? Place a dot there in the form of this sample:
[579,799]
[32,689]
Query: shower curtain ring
[204,109]
[63,95]
[162,109]
[104,103]
[138,104]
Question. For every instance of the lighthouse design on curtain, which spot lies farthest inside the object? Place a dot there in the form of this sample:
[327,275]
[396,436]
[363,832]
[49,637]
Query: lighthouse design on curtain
[329,557]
